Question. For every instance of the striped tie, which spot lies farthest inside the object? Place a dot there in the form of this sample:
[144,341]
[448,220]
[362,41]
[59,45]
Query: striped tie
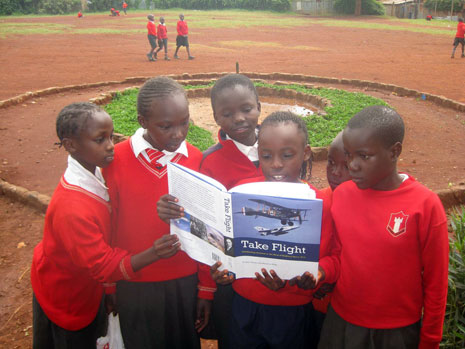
[154,155]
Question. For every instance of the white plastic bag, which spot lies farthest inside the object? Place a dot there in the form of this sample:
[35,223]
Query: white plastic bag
[113,339]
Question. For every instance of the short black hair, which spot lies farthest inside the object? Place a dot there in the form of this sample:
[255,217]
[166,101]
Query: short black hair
[154,88]
[287,117]
[72,119]
[460,19]
[385,122]
[229,81]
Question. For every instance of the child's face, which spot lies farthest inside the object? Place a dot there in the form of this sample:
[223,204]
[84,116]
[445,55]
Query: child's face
[336,168]
[167,123]
[370,163]
[236,111]
[282,150]
[94,146]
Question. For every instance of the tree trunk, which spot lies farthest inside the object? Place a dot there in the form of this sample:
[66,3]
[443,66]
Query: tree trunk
[358,7]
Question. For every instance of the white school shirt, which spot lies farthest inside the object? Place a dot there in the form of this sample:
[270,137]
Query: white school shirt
[251,151]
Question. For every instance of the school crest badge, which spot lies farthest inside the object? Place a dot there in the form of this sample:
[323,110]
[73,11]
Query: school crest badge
[397,224]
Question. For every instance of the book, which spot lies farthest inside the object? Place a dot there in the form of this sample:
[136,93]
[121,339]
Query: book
[271,225]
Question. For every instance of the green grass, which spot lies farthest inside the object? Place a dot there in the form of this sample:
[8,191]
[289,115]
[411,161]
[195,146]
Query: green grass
[321,129]
[15,28]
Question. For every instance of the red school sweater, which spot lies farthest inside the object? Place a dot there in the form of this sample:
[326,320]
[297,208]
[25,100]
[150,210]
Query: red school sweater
[162,31]
[460,30]
[134,190]
[255,291]
[74,259]
[182,29]
[394,258]
[151,28]
[227,164]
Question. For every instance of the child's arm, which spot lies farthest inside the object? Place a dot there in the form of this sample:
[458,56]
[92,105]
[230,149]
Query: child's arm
[168,209]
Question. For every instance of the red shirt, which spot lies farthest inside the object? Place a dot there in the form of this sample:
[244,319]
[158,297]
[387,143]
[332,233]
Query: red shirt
[394,258]
[162,31]
[151,28]
[182,29]
[74,259]
[134,190]
[460,30]
[256,292]
[125,5]
[227,164]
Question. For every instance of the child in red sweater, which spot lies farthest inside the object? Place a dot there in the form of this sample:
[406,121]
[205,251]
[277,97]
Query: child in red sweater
[392,287]
[168,301]
[459,37]
[182,39]
[268,311]
[162,38]
[74,259]
[152,36]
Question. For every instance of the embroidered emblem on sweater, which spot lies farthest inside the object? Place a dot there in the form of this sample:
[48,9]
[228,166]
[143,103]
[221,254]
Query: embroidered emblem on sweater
[397,223]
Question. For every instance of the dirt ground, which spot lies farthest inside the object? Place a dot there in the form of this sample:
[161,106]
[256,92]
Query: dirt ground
[433,149]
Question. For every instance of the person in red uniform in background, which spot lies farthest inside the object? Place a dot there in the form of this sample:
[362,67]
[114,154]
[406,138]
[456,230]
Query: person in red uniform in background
[182,37]
[74,260]
[152,36]
[392,287]
[162,38]
[459,37]
[169,302]
[79,14]
[125,7]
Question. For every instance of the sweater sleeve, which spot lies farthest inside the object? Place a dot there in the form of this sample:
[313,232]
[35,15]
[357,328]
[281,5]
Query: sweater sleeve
[206,286]
[435,262]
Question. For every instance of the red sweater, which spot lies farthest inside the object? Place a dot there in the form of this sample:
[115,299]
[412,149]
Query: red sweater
[181,27]
[460,30]
[151,28]
[134,190]
[162,31]
[255,291]
[227,164]
[394,258]
[74,258]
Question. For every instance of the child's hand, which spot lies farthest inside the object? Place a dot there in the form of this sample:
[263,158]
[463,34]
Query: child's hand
[221,277]
[166,246]
[307,281]
[203,314]
[323,291]
[168,209]
[273,281]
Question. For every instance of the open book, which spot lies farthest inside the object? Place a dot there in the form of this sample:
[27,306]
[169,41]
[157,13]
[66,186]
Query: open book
[259,225]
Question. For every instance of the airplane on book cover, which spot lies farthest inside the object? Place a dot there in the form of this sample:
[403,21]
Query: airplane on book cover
[275,231]
[271,210]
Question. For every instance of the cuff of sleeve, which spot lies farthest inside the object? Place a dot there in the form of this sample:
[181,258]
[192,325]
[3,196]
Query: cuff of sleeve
[330,274]
[126,268]
[109,288]
[425,344]
[206,292]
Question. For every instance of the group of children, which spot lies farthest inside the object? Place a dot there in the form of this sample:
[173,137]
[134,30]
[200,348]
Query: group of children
[383,251]
[159,35]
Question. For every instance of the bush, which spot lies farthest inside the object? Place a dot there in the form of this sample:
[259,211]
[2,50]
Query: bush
[454,322]
[7,7]
[59,7]
[443,5]
[369,7]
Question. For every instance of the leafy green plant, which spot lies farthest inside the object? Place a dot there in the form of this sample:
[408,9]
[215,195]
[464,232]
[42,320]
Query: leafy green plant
[454,322]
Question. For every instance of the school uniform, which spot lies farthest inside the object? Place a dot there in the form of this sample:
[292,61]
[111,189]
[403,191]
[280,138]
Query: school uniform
[393,272]
[73,260]
[152,34]
[228,162]
[183,31]
[157,309]
[283,318]
[162,36]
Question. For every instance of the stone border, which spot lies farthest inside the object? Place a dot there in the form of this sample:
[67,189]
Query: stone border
[451,197]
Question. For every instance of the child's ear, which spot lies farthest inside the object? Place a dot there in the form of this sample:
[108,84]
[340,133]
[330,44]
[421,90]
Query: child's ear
[396,150]
[307,152]
[69,145]
[141,121]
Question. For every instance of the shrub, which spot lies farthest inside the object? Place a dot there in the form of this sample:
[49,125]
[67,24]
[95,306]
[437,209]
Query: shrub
[369,7]
[454,322]
[443,5]
[59,7]
[7,7]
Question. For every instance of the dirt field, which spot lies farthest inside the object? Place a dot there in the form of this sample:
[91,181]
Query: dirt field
[28,157]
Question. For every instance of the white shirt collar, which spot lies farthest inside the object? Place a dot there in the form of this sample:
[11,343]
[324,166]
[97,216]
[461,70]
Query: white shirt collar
[77,175]
[139,144]
[251,151]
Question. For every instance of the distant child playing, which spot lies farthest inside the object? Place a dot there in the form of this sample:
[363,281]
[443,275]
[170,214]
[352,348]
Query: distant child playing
[268,312]
[459,37]
[392,287]
[152,36]
[74,259]
[169,301]
[162,38]
[125,7]
[182,38]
